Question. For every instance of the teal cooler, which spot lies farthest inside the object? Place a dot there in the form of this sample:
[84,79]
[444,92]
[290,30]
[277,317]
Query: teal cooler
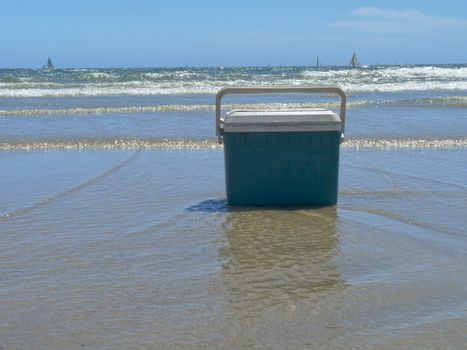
[281,157]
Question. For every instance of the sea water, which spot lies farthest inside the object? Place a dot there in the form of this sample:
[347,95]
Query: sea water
[115,233]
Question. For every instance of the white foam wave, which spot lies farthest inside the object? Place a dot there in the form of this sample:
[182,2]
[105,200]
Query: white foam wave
[449,101]
[170,108]
[394,73]
[406,86]
[111,144]
[153,75]
[100,75]
[106,110]
[122,89]
[405,143]
[212,144]
[196,88]
[28,85]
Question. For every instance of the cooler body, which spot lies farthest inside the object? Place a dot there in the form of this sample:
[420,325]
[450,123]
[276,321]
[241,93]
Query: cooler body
[282,158]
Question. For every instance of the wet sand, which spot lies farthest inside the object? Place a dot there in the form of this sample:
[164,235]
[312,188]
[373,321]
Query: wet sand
[118,249]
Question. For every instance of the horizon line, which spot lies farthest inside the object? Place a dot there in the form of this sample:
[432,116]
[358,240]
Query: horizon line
[241,66]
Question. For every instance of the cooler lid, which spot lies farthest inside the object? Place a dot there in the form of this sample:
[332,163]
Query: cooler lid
[281,120]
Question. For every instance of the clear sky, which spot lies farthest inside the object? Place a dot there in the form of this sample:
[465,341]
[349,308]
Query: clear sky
[153,33]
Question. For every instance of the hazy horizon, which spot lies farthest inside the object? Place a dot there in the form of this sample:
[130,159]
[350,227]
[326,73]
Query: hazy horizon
[241,66]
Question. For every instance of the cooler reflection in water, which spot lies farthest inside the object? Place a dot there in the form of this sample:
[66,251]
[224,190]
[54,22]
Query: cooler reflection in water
[279,256]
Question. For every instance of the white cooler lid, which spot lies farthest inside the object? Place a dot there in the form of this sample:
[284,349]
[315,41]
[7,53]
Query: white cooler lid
[281,120]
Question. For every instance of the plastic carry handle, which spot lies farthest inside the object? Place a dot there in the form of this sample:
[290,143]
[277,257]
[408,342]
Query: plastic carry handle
[278,90]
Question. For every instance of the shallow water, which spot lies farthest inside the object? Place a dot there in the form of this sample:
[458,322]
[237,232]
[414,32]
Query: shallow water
[115,233]
[117,249]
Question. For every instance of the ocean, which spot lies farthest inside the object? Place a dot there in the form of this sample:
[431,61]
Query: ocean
[115,232]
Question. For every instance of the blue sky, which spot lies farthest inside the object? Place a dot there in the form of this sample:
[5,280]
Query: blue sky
[152,33]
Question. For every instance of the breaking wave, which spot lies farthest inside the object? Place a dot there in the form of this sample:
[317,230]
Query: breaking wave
[195,81]
[212,88]
[212,144]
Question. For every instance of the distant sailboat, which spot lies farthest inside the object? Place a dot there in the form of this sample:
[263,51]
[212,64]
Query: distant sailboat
[49,64]
[354,61]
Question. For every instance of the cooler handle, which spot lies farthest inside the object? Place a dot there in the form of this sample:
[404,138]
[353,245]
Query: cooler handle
[278,90]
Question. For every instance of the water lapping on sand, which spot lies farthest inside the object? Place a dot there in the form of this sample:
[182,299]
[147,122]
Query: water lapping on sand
[170,108]
[194,81]
[212,144]
[431,102]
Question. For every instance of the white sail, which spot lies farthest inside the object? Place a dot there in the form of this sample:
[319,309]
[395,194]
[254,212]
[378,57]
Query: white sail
[49,64]
[354,61]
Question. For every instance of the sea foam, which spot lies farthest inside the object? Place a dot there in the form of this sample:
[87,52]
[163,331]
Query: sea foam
[212,144]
